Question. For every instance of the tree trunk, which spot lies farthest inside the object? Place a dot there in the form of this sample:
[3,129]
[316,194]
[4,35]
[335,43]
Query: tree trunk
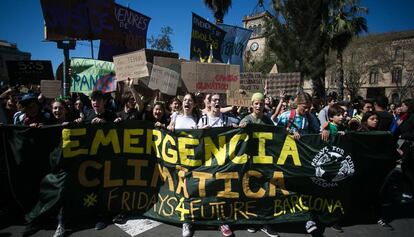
[339,75]
[318,87]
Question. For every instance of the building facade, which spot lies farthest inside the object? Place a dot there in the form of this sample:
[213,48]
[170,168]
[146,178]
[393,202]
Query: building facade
[378,64]
[256,45]
[9,52]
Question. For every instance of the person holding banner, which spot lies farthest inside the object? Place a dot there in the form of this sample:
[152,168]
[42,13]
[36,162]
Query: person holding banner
[31,112]
[215,118]
[187,118]
[60,112]
[98,113]
[157,115]
[295,120]
[257,117]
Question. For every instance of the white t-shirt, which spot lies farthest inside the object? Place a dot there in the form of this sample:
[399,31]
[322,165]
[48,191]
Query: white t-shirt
[183,122]
[221,121]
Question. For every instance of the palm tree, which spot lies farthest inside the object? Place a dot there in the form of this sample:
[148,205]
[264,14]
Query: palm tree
[345,22]
[219,8]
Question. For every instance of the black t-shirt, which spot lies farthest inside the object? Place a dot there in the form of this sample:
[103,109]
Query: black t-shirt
[385,120]
[132,114]
[108,116]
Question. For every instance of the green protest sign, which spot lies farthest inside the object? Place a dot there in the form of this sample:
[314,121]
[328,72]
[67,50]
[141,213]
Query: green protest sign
[85,73]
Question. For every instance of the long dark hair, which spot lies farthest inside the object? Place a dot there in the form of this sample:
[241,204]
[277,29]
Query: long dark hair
[410,105]
[196,111]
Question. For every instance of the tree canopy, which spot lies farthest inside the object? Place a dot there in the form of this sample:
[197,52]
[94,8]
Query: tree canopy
[163,41]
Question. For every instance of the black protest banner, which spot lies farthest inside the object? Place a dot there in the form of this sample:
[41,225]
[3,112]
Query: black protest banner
[29,71]
[205,35]
[79,19]
[133,26]
[254,175]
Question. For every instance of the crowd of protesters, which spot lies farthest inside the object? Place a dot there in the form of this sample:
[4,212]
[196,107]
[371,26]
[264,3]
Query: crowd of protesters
[300,115]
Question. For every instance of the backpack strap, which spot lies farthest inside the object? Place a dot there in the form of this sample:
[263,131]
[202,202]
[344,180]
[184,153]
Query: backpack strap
[291,118]
[204,119]
[225,120]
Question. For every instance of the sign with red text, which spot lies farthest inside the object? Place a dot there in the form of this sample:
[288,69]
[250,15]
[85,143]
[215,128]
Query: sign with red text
[210,77]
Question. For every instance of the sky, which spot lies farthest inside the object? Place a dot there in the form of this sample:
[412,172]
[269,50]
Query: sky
[21,22]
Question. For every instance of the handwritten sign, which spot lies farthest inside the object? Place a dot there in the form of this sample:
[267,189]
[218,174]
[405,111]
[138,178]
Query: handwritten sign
[85,73]
[131,65]
[250,83]
[51,88]
[210,77]
[288,82]
[164,79]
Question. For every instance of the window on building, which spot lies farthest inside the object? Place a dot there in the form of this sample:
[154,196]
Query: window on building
[395,98]
[397,52]
[259,29]
[254,30]
[373,76]
[396,75]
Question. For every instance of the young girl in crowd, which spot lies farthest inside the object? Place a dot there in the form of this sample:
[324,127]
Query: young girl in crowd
[158,115]
[369,122]
[60,112]
[188,117]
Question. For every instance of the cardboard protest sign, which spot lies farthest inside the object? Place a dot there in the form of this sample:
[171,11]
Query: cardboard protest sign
[170,63]
[210,77]
[25,72]
[250,83]
[288,82]
[205,34]
[234,98]
[85,73]
[133,26]
[164,79]
[131,65]
[51,88]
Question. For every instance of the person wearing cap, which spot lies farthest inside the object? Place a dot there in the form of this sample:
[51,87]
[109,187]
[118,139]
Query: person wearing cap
[257,117]
[31,112]
[257,114]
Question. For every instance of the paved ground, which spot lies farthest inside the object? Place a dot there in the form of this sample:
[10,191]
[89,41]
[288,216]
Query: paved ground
[402,227]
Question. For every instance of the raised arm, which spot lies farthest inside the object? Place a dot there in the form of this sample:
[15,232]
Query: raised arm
[136,95]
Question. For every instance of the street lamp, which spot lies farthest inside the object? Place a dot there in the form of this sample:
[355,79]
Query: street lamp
[66,46]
